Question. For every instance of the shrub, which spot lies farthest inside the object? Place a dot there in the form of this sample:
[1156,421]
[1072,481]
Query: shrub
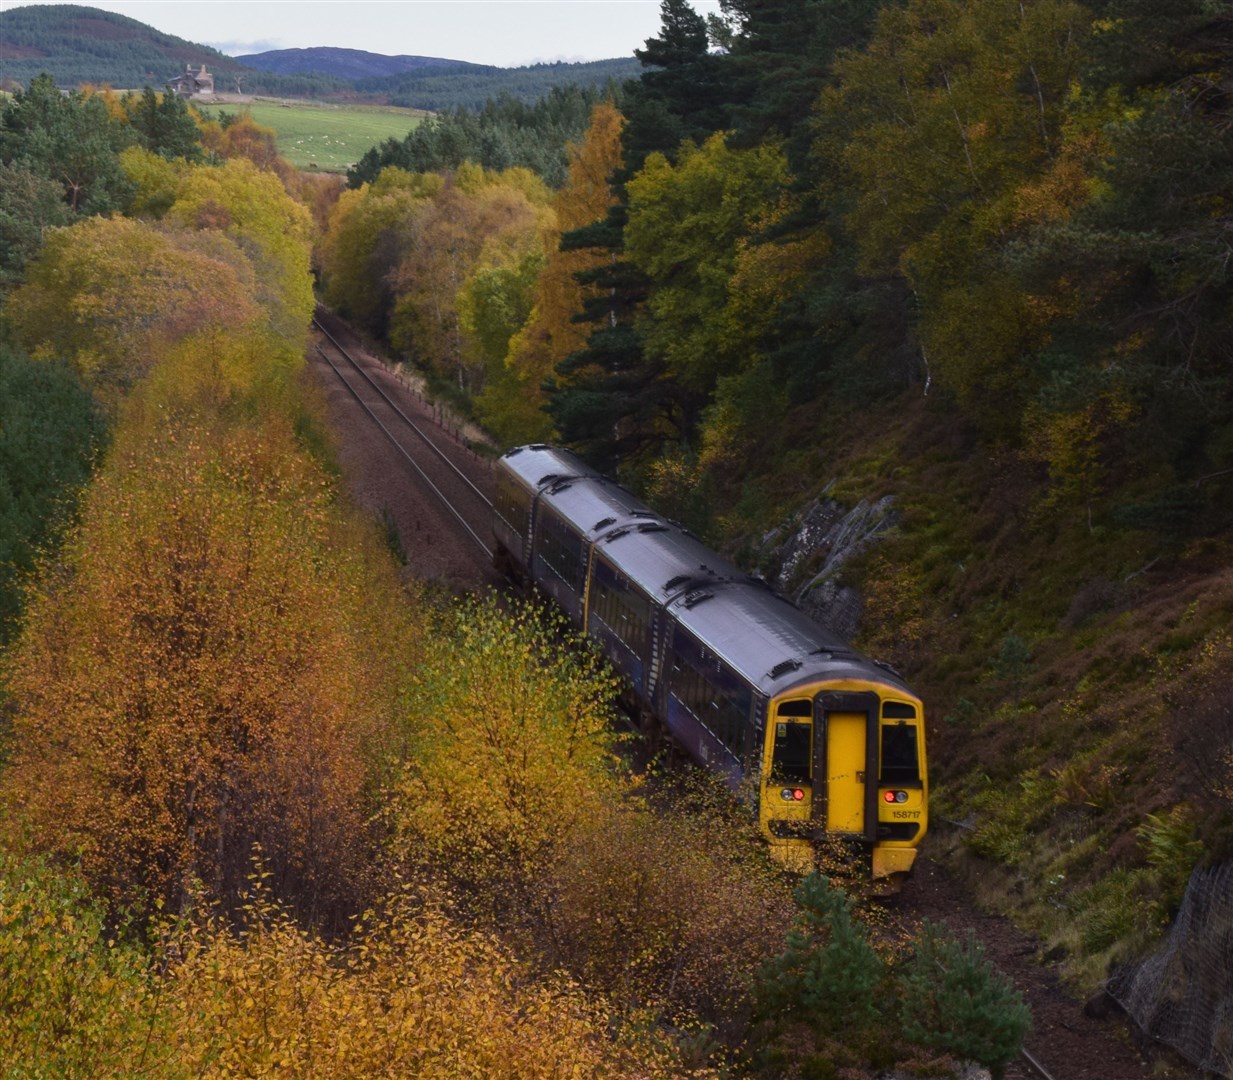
[660,909]
[829,974]
[74,1001]
[407,993]
[509,745]
[953,999]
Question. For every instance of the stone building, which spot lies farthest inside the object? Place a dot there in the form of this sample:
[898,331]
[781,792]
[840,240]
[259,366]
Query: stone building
[190,84]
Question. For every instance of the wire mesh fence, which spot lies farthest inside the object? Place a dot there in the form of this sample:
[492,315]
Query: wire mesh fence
[1182,994]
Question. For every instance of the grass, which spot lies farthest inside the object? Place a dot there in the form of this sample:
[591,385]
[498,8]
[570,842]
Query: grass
[321,136]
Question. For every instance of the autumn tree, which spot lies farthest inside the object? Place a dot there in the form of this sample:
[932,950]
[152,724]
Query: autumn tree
[364,241]
[507,749]
[75,1002]
[686,226]
[493,306]
[550,333]
[940,121]
[474,211]
[240,136]
[251,208]
[204,673]
[106,294]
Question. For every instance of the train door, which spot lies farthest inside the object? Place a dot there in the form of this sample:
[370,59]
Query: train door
[847,728]
[845,772]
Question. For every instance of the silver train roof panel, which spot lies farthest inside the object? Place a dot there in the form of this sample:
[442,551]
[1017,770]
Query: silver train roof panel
[537,465]
[768,641]
[596,506]
[664,560]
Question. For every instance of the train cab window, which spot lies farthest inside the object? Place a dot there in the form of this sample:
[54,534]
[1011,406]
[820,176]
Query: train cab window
[900,761]
[793,753]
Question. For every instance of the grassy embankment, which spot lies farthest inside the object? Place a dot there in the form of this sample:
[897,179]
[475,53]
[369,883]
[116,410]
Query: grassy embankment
[327,137]
[1074,672]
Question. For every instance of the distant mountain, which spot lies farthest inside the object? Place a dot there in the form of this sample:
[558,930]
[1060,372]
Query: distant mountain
[352,63]
[442,89]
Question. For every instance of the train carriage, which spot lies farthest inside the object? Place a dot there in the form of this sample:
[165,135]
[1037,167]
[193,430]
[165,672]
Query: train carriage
[745,683]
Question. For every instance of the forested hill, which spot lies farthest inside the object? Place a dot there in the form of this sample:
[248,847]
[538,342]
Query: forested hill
[82,45]
[443,90]
[353,63]
[78,45]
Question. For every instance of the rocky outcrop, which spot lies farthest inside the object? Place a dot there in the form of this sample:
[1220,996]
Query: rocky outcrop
[803,559]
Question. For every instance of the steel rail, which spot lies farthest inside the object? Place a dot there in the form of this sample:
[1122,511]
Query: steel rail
[1036,1065]
[394,405]
[402,450]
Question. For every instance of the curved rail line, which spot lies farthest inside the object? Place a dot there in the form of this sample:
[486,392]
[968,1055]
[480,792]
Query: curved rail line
[444,500]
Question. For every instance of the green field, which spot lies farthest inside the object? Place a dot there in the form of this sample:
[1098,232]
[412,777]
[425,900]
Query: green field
[327,137]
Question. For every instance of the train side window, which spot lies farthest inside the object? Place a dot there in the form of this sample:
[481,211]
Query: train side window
[900,761]
[513,505]
[792,757]
[561,550]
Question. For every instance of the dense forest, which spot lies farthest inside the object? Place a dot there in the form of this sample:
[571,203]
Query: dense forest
[505,132]
[267,807]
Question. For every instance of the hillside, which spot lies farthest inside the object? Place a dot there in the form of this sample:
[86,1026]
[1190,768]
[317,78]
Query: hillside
[77,44]
[352,63]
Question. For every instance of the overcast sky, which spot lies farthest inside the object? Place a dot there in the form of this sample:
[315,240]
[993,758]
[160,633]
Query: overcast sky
[504,32]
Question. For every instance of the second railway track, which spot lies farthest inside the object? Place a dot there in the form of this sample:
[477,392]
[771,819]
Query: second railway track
[446,472]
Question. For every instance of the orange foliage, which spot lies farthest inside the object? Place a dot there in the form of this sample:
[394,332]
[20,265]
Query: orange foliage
[408,994]
[107,293]
[202,674]
[245,138]
[662,910]
[550,334]
[447,239]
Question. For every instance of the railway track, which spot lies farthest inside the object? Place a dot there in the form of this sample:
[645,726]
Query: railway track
[1037,1068]
[435,458]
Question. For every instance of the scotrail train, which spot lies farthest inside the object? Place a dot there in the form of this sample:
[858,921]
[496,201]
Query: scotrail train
[742,680]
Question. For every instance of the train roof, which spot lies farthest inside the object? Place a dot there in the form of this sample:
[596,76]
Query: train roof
[765,638]
[537,465]
[663,559]
[596,506]
[771,643]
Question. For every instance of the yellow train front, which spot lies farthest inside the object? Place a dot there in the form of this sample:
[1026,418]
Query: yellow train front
[742,680]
